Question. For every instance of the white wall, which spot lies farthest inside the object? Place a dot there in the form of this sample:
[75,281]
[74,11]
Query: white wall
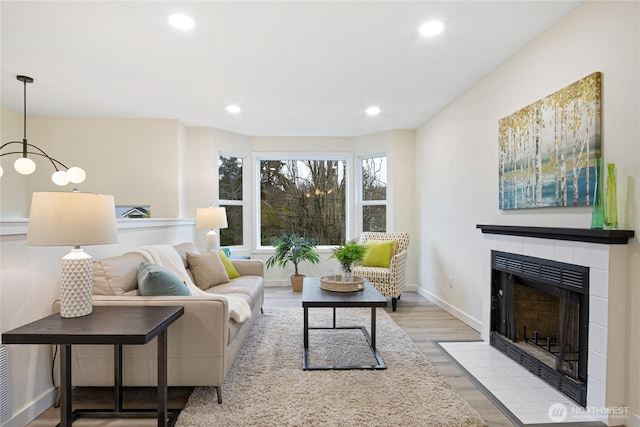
[457,151]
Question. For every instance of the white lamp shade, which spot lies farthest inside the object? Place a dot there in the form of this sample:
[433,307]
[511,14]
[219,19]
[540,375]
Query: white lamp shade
[211,218]
[72,219]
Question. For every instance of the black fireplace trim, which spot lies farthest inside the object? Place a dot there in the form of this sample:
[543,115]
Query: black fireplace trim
[607,237]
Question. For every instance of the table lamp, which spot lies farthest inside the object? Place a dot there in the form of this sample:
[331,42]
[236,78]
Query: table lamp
[211,219]
[73,219]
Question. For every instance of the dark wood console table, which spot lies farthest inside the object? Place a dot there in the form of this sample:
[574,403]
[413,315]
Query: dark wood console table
[110,325]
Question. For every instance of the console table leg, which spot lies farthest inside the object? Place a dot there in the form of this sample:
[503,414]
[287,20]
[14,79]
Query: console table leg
[162,379]
[66,415]
[117,378]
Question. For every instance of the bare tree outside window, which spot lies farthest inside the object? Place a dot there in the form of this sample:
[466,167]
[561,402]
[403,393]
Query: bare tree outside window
[374,193]
[231,197]
[306,197]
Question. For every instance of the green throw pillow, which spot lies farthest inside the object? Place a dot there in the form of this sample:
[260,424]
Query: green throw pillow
[155,280]
[379,253]
[228,265]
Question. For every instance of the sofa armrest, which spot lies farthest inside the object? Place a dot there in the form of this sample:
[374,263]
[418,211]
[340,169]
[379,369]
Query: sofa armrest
[203,329]
[249,267]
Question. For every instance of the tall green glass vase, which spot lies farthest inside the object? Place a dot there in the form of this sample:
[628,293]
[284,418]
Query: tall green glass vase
[611,203]
[597,216]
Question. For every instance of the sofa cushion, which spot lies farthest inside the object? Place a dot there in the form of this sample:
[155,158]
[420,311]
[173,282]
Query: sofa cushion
[155,280]
[232,272]
[248,287]
[207,269]
[379,253]
[116,275]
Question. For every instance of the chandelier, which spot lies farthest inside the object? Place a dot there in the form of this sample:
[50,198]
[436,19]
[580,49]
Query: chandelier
[25,166]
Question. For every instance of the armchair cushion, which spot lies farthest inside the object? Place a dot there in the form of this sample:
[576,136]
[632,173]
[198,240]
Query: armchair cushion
[379,253]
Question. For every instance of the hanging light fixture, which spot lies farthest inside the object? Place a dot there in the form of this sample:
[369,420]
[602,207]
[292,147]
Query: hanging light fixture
[25,166]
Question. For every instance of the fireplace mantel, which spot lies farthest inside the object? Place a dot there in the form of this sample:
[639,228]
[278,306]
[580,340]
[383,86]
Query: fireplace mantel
[607,237]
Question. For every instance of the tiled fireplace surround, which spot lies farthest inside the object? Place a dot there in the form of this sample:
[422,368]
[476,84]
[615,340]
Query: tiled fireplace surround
[607,260]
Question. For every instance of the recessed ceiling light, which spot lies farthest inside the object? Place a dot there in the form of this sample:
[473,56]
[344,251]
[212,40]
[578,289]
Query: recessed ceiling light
[234,109]
[373,111]
[431,28]
[181,21]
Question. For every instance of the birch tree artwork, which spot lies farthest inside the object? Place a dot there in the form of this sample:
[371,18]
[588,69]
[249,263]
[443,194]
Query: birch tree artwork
[547,150]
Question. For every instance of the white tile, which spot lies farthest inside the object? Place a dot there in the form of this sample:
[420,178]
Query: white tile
[599,283]
[505,396]
[597,367]
[486,241]
[530,247]
[534,418]
[486,277]
[598,311]
[510,383]
[564,251]
[546,249]
[598,338]
[486,257]
[599,256]
[527,395]
[596,393]
[518,409]
[533,382]
[581,254]
[516,244]
[490,373]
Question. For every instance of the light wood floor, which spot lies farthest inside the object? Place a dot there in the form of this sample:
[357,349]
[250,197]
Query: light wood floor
[423,321]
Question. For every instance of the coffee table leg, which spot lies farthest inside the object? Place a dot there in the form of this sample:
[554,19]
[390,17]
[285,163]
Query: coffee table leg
[66,416]
[373,328]
[305,333]
[162,378]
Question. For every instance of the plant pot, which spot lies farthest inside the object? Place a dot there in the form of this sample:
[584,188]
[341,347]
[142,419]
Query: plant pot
[296,282]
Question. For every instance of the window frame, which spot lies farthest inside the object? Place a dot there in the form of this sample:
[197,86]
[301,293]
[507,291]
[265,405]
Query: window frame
[361,203]
[280,155]
[246,188]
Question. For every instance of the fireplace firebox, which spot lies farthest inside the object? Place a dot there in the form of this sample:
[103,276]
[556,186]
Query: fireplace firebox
[540,318]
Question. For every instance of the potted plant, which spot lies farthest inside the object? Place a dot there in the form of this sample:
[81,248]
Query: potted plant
[294,248]
[348,255]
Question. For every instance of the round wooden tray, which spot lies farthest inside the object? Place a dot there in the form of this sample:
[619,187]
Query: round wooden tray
[337,285]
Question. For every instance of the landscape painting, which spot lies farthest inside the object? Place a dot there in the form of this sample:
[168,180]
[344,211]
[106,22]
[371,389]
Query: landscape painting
[547,149]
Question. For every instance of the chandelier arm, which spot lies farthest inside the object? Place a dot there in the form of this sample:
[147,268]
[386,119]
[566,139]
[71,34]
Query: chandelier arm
[53,161]
[9,143]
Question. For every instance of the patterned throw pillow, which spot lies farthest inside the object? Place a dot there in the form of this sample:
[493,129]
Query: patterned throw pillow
[155,280]
[207,269]
[379,253]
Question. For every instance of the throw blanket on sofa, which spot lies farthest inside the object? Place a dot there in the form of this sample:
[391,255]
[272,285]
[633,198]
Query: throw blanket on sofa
[168,257]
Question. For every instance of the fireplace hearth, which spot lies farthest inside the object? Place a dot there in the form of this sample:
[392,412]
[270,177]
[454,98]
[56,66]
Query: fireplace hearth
[539,318]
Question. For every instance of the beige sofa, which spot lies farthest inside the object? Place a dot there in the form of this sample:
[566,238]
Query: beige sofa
[202,344]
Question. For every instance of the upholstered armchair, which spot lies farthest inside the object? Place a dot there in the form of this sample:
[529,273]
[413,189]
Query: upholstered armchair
[389,281]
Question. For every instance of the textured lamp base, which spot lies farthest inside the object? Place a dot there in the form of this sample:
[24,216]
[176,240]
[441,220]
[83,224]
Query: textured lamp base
[76,284]
[213,241]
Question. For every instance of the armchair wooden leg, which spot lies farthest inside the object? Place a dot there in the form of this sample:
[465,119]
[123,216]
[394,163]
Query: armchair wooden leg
[394,303]
[219,393]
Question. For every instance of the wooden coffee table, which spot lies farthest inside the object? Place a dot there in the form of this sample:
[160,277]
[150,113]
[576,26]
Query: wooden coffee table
[313,297]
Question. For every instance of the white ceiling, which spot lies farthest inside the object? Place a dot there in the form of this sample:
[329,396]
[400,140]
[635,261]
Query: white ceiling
[297,68]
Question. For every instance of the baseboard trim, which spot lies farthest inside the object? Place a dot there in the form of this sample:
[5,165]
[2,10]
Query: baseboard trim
[633,420]
[32,411]
[469,320]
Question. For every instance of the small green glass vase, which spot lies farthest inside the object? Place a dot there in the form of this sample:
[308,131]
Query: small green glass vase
[611,203]
[597,216]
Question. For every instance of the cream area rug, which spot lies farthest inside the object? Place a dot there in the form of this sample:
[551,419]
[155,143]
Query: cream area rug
[267,386]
